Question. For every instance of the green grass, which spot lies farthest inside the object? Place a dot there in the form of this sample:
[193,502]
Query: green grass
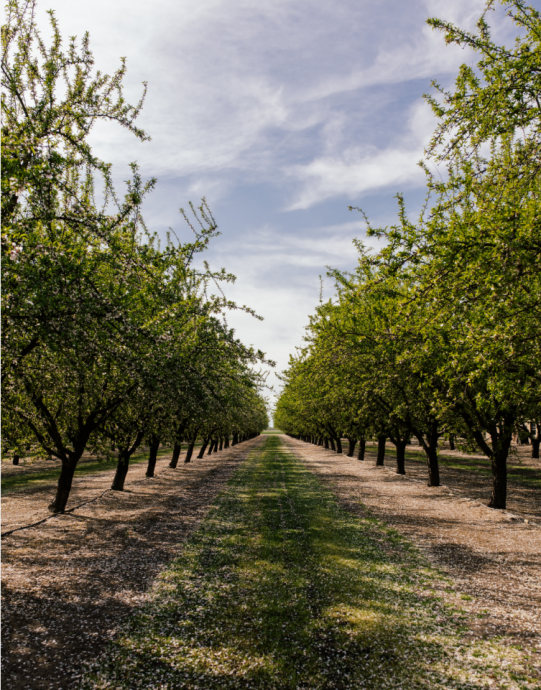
[281,589]
[529,476]
[28,480]
[270,432]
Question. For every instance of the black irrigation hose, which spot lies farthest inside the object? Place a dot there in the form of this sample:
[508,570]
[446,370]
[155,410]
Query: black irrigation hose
[71,510]
[49,517]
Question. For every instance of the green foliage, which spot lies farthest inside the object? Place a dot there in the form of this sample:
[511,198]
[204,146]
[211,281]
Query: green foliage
[437,332]
[108,336]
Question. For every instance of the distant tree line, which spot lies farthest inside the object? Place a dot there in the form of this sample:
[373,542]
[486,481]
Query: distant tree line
[110,339]
[438,333]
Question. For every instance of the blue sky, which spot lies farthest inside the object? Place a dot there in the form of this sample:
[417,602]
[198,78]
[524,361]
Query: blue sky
[282,113]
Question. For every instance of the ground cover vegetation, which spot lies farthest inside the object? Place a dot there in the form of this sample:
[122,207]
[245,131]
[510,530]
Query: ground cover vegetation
[280,587]
[435,334]
[110,338]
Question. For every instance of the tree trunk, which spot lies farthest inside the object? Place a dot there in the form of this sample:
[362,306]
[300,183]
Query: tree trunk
[203,448]
[338,444]
[362,448]
[433,465]
[352,443]
[400,457]
[226,444]
[451,442]
[64,487]
[121,471]
[176,454]
[331,441]
[499,472]
[535,447]
[15,459]
[189,452]
[381,450]
[221,444]
[152,456]
[326,441]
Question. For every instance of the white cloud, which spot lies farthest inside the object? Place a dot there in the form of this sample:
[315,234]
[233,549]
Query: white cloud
[286,95]
[224,76]
[353,171]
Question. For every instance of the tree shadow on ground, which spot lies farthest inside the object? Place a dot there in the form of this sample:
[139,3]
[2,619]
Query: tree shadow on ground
[69,582]
[280,588]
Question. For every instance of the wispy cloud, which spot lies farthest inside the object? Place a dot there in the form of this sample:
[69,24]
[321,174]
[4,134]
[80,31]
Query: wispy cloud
[354,170]
[280,112]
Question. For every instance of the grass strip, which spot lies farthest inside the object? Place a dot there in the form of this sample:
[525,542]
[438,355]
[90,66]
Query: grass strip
[280,588]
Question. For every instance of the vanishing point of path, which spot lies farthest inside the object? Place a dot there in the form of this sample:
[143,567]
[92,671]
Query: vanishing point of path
[287,583]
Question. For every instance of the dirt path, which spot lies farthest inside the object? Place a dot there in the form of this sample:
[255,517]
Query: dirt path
[494,560]
[69,582]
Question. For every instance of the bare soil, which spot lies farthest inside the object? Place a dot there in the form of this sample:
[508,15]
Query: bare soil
[492,557]
[69,582]
[523,499]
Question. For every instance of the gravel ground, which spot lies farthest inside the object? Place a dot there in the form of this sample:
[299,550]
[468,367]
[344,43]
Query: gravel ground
[69,582]
[493,557]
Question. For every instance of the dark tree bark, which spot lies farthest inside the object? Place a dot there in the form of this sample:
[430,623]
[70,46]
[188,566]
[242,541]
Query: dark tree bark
[338,444]
[433,466]
[189,452]
[352,443]
[501,442]
[362,448]
[121,471]
[429,443]
[535,447]
[451,442]
[221,444]
[15,459]
[123,463]
[331,441]
[380,460]
[203,448]
[176,454]
[400,441]
[400,457]
[64,487]
[226,443]
[326,441]
[152,456]
[499,479]
[501,435]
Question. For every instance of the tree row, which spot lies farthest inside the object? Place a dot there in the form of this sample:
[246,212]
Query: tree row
[110,337]
[436,334]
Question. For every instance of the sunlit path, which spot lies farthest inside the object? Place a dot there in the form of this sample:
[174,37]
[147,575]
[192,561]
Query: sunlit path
[281,588]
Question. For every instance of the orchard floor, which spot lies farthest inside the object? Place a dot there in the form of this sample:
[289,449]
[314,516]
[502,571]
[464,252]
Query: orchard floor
[71,582]
[492,556]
